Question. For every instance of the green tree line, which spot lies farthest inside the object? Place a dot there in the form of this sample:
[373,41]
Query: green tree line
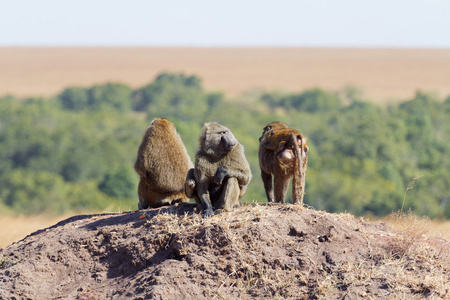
[75,152]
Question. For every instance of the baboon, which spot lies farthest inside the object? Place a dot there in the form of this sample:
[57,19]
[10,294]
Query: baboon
[283,153]
[272,125]
[221,174]
[162,163]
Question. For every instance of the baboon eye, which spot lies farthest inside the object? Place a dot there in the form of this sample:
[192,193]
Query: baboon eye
[223,132]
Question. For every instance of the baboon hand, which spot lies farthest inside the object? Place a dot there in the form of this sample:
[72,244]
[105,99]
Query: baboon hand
[221,173]
[189,188]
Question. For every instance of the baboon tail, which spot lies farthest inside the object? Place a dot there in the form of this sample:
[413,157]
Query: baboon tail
[297,180]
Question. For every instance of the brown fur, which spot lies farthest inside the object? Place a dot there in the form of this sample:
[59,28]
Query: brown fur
[221,174]
[283,153]
[162,163]
[272,125]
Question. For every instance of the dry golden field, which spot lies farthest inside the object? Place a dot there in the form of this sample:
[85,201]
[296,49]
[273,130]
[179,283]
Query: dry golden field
[15,228]
[383,74]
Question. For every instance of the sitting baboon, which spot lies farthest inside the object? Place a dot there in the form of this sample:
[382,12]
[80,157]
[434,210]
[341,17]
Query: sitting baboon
[283,153]
[221,174]
[162,163]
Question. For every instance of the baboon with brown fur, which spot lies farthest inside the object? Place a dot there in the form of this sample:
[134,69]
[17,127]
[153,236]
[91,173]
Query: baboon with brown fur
[283,153]
[162,163]
[221,174]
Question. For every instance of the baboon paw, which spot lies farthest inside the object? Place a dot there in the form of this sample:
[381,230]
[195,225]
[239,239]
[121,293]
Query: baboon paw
[208,213]
[220,175]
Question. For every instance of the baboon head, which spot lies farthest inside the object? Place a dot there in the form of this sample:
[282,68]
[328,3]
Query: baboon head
[217,140]
[162,125]
[272,125]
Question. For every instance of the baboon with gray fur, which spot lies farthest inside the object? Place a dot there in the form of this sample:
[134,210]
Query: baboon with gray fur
[283,153]
[221,174]
[162,163]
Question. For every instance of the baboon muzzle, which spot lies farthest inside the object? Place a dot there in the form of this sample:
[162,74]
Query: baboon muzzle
[226,144]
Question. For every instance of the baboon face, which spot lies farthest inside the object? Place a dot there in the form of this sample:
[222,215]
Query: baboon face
[217,140]
[227,142]
[272,125]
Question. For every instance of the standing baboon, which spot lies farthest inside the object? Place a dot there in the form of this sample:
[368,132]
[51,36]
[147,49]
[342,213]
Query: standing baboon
[283,153]
[162,163]
[221,174]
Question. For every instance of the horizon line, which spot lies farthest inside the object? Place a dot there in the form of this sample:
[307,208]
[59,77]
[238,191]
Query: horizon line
[230,46]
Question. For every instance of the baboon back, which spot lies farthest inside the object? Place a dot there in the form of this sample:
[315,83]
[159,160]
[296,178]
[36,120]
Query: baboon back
[282,153]
[162,158]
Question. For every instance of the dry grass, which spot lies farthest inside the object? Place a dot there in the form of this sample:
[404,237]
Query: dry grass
[383,74]
[16,228]
[441,228]
[419,225]
[414,261]
[419,245]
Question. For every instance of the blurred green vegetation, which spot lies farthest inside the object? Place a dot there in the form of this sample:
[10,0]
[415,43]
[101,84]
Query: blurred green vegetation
[75,152]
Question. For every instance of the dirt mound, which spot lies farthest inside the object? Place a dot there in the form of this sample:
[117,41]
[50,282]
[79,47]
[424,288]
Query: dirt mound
[255,251]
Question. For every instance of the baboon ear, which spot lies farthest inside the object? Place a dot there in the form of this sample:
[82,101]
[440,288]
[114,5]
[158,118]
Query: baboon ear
[205,129]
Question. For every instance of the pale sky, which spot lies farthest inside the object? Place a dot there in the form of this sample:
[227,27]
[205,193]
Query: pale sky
[231,23]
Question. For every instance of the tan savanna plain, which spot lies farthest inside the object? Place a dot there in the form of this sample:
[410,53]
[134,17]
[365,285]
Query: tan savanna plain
[383,75]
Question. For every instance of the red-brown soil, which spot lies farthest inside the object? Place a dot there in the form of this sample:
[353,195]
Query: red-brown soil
[254,252]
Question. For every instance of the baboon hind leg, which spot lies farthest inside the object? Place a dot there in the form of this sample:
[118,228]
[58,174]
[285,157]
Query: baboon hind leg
[143,195]
[229,198]
[281,186]
[268,185]
[149,198]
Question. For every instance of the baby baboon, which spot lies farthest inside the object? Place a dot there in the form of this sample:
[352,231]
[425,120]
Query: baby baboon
[162,164]
[272,125]
[283,152]
[221,174]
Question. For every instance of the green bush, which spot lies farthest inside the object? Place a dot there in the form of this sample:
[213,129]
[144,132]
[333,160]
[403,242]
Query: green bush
[75,152]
